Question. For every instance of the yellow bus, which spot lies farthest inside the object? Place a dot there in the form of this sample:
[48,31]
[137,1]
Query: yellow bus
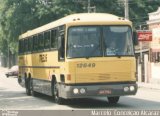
[79,56]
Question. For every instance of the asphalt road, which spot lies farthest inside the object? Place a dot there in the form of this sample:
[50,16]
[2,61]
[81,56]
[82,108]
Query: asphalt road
[13,97]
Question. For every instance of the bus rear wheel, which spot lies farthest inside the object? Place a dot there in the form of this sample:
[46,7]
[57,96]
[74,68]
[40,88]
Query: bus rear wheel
[28,88]
[113,100]
[57,99]
[33,93]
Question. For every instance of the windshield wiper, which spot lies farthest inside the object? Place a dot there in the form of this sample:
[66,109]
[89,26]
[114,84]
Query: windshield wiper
[118,55]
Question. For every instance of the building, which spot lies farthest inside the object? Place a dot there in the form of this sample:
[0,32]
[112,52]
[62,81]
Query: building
[154,54]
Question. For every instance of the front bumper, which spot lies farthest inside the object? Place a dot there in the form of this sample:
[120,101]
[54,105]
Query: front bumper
[66,91]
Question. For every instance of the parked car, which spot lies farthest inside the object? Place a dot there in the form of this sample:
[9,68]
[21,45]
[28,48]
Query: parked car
[13,71]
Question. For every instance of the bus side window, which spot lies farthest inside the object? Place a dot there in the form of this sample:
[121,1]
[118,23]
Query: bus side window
[61,47]
[47,40]
[30,44]
[35,41]
[21,46]
[40,42]
[61,43]
[26,45]
[54,39]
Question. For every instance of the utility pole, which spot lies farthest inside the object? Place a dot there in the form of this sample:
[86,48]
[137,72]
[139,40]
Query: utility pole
[89,6]
[126,9]
[140,44]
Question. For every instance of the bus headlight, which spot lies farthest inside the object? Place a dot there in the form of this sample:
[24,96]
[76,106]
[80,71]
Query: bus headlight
[126,89]
[82,91]
[75,91]
[132,88]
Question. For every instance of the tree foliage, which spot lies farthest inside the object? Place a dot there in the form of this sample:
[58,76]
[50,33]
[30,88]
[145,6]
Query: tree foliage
[18,16]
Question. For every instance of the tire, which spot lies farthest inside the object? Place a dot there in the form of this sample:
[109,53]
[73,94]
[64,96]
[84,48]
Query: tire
[28,87]
[7,75]
[33,93]
[113,100]
[55,92]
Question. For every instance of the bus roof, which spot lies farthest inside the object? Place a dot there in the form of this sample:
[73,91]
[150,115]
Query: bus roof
[94,18]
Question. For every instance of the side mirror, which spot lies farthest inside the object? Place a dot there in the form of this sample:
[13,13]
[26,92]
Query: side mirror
[135,38]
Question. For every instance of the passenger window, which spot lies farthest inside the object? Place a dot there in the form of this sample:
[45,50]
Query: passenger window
[54,39]
[26,45]
[30,44]
[47,40]
[21,48]
[40,42]
[61,48]
[35,45]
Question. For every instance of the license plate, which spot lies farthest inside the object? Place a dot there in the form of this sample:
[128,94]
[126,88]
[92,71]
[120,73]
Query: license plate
[105,92]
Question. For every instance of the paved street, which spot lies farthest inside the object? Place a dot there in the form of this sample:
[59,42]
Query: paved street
[12,96]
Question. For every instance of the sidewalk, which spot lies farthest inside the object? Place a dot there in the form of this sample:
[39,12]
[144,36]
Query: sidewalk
[3,69]
[149,85]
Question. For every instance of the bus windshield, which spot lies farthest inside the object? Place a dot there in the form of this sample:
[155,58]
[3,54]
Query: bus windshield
[96,41]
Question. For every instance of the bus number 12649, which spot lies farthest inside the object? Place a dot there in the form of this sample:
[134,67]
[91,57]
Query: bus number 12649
[86,65]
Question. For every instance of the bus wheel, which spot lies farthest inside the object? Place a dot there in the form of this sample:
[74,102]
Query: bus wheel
[28,87]
[113,100]
[33,93]
[57,99]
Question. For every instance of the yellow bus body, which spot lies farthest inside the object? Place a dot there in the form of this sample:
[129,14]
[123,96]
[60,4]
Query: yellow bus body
[93,72]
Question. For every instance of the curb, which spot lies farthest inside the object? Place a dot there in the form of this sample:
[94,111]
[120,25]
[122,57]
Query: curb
[149,86]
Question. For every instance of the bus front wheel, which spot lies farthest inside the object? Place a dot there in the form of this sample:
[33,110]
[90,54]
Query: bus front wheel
[57,99]
[113,100]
